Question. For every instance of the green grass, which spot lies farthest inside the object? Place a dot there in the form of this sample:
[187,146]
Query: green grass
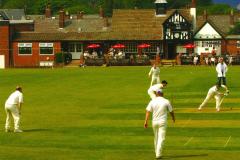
[98,113]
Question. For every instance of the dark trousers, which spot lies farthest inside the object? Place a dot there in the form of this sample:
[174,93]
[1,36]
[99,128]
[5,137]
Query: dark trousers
[223,79]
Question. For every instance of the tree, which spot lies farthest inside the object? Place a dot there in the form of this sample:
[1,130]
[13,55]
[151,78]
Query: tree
[108,7]
[235,29]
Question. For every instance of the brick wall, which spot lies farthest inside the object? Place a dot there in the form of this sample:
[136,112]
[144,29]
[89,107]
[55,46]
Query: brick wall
[34,59]
[232,47]
[4,41]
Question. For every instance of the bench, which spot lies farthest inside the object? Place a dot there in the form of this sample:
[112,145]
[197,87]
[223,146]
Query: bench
[166,62]
[46,63]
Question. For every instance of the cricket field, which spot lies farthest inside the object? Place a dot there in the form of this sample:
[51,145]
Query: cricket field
[97,113]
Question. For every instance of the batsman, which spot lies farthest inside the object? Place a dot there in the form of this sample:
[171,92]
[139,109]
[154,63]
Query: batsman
[218,92]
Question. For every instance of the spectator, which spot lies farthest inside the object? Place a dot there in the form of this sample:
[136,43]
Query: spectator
[230,59]
[195,60]
[94,55]
[206,60]
[212,60]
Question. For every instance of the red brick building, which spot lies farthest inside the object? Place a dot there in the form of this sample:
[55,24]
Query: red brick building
[29,41]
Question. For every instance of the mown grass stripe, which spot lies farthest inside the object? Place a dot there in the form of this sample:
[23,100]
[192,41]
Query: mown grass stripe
[227,142]
[189,140]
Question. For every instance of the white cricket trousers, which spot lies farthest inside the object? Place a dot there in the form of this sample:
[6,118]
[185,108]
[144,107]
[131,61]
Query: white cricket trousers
[218,101]
[155,80]
[159,130]
[12,110]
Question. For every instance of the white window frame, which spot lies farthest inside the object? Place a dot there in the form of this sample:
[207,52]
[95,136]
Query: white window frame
[25,45]
[46,45]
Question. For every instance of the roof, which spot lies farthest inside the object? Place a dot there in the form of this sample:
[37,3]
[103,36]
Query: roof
[220,22]
[91,23]
[141,24]
[13,14]
[124,25]
[237,37]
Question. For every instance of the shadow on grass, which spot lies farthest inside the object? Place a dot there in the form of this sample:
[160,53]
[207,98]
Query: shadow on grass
[37,130]
[185,156]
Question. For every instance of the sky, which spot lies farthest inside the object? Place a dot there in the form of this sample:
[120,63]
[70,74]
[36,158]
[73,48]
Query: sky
[230,2]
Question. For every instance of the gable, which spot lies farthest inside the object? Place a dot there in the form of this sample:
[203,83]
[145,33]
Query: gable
[207,32]
[176,18]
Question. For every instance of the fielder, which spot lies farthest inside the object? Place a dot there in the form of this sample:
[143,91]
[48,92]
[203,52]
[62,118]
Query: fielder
[152,90]
[159,107]
[217,94]
[13,108]
[154,72]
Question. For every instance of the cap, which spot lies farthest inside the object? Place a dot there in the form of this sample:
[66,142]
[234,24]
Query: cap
[159,91]
[18,88]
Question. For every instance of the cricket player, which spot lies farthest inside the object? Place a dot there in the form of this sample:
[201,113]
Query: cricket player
[217,94]
[221,69]
[154,72]
[13,108]
[159,108]
[154,88]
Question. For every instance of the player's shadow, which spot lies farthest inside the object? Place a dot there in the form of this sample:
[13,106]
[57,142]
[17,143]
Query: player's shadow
[37,130]
[185,156]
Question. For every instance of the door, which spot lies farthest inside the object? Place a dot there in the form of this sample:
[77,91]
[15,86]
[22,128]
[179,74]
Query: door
[171,51]
[76,49]
[2,61]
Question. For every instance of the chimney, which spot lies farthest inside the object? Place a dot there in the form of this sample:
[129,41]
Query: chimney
[193,12]
[48,12]
[80,15]
[105,22]
[67,15]
[161,8]
[232,22]
[101,12]
[194,4]
[205,15]
[61,18]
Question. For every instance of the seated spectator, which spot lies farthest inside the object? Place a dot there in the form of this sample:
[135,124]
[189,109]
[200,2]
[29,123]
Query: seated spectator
[120,54]
[111,53]
[86,55]
[94,55]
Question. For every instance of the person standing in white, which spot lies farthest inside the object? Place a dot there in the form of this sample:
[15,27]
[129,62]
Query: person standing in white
[221,69]
[159,108]
[217,94]
[13,108]
[152,90]
[154,72]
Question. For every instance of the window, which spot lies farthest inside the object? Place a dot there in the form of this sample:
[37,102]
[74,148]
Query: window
[24,48]
[130,48]
[71,47]
[211,43]
[46,48]
[238,44]
[79,47]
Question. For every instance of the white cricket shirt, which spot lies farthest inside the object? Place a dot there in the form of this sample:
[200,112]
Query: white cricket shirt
[159,108]
[15,98]
[155,87]
[214,90]
[154,71]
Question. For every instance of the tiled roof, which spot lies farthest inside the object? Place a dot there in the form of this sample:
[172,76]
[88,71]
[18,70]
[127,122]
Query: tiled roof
[140,24]
[14,14]
[91,23]
[220,22]
[233,37]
